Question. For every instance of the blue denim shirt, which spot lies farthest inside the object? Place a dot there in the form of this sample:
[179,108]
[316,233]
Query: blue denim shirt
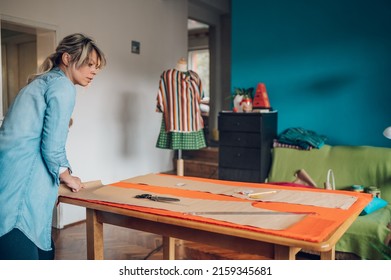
[32,150]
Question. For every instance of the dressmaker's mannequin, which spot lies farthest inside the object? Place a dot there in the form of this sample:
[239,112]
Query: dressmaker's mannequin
[181,65]
[179,98]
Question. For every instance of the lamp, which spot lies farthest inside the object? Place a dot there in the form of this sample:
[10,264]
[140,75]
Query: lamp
[387,132]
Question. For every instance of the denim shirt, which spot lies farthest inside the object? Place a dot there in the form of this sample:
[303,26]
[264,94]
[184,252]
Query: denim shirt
[32,150]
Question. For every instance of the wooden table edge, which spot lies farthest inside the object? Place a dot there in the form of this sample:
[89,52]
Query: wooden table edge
[325,248]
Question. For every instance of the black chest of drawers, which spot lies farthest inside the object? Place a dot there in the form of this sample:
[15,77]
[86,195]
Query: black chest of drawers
[245,143]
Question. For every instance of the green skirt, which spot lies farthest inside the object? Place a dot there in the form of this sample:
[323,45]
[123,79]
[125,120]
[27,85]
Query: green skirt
[180,141]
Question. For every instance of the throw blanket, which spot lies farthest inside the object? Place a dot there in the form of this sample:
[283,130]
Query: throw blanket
[305,139]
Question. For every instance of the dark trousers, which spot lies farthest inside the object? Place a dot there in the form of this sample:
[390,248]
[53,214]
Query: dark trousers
[16,246]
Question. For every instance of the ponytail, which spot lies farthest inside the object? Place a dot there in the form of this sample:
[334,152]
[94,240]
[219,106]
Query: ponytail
[45,67]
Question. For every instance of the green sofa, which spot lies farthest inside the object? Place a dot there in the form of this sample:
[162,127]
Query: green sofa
[368,237]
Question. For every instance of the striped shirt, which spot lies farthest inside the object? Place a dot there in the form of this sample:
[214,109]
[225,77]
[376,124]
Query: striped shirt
[179,99]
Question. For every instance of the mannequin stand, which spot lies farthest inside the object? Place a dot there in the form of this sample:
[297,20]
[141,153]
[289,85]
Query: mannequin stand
[179,164]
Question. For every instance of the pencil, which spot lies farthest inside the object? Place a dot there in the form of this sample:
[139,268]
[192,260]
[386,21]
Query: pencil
[258,195]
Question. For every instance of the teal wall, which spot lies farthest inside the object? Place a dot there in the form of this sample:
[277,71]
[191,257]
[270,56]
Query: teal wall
[326,64]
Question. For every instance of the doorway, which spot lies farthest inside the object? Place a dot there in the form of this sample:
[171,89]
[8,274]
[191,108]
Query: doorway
[198,52]
[199,62]
[23,49]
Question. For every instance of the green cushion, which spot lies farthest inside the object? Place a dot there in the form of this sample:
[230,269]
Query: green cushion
[351,165]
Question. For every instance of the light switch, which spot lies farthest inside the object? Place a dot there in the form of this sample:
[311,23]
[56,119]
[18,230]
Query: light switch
[136,47]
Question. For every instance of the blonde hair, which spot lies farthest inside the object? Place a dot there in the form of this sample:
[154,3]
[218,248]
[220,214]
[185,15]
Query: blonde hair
[78,46]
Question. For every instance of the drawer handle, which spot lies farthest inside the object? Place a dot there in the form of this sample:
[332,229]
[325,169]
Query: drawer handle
[238,155]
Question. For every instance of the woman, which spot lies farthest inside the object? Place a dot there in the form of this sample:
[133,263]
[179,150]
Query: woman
[33,160]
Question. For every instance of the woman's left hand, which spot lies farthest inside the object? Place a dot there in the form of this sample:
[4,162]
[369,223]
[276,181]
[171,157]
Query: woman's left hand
[73,182]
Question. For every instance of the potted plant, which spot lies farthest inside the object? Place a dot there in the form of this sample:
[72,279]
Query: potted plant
[242,99]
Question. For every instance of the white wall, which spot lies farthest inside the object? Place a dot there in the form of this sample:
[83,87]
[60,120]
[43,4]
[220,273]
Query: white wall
[115,123]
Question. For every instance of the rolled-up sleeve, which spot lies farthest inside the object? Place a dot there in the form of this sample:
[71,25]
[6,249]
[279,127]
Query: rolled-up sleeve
[60,101]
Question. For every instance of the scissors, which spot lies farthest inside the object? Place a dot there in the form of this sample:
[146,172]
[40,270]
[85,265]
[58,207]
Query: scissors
[157,198]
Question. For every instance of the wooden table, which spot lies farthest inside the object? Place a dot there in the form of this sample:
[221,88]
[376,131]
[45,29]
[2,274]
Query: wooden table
[171,228]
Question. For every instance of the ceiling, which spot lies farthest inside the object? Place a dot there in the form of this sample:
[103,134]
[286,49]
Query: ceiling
[217,6]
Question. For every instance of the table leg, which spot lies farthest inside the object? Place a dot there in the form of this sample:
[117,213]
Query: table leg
[168,248]
[94,236]
[285,252]
[329,255]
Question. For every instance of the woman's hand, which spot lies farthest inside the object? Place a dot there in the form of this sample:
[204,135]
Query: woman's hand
[73,182]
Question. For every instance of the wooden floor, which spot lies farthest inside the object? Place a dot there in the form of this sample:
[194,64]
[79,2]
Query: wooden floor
[127,244]
[120,243]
